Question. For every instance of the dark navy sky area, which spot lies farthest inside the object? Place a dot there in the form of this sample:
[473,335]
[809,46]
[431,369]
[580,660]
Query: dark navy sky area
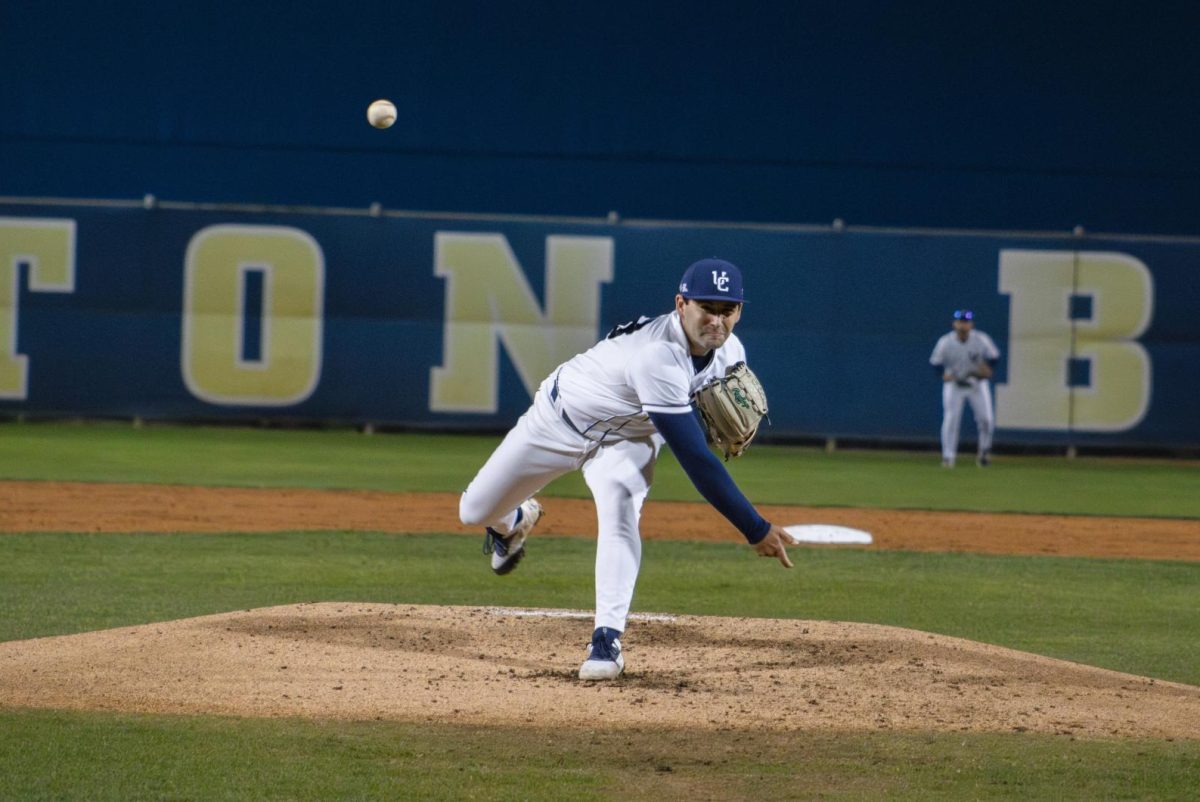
[983,115]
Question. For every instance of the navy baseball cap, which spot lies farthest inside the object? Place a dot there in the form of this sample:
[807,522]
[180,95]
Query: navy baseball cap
[964,314]
[712,280]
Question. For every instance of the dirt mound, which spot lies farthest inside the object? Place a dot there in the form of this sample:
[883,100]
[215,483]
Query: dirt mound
[490,666]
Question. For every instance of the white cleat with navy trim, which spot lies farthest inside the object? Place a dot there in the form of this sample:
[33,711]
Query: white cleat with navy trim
[507,550]
[604,660]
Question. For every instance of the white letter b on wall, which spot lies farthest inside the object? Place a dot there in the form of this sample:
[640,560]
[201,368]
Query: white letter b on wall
[1116,293]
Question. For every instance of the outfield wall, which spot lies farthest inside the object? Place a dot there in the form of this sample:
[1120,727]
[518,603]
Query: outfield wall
[449,322]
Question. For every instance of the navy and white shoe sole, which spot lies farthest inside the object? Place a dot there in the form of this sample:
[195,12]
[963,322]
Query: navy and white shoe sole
[503,564]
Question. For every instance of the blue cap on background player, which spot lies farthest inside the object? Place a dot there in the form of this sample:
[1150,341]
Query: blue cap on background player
[964,314]
[712,280]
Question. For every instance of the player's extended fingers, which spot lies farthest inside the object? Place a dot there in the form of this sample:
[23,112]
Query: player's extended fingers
[777,550]
[775,545]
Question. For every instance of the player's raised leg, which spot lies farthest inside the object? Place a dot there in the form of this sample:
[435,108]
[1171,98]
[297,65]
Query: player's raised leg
[532,454]
[619,476]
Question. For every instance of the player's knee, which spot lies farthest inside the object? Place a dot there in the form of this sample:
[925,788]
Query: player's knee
[471,512]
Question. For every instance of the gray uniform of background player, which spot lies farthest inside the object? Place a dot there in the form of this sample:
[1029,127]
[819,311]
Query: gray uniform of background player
[962,361]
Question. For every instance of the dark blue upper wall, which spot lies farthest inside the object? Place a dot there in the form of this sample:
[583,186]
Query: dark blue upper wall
[995,115]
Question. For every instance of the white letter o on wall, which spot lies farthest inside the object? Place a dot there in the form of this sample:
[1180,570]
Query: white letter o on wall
[293,289]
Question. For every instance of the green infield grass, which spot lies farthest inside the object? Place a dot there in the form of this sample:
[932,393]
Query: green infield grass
[1139,616]
[53,755]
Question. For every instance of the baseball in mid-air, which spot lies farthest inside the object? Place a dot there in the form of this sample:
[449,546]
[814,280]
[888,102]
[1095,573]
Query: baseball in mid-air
[381,113]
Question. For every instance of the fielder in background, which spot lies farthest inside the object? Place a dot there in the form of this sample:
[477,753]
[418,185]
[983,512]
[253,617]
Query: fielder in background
[607,412]
[965,359]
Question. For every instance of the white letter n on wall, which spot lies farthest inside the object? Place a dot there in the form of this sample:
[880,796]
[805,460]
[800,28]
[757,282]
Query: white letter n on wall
[489,302]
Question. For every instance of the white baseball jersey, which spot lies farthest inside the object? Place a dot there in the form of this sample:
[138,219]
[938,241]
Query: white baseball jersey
[641,367]
[961,358]
[591,415]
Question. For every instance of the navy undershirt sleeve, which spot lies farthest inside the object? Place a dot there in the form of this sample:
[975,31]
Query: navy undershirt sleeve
[682,433]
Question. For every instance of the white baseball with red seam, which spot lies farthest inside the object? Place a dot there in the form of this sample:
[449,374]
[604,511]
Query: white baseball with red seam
[381,113]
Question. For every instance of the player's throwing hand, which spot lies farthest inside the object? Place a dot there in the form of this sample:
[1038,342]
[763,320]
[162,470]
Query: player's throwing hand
[773,545]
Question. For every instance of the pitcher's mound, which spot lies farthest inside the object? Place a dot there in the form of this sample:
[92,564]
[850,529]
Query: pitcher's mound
[503,666]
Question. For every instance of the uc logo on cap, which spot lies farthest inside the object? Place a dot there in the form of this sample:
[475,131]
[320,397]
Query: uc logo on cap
[712,280]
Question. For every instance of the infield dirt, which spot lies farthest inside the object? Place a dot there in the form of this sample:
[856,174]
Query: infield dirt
[88,507]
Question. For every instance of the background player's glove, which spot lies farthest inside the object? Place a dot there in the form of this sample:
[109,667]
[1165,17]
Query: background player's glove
[983,370]
[732,408]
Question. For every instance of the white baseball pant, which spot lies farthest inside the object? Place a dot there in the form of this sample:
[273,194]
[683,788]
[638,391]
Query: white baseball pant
[540,448]
[979,395]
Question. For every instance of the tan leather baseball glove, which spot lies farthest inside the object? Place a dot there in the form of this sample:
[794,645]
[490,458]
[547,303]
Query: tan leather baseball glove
[732,409]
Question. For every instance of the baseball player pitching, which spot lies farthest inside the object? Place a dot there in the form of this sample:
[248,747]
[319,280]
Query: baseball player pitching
[607,412]
[965,359]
